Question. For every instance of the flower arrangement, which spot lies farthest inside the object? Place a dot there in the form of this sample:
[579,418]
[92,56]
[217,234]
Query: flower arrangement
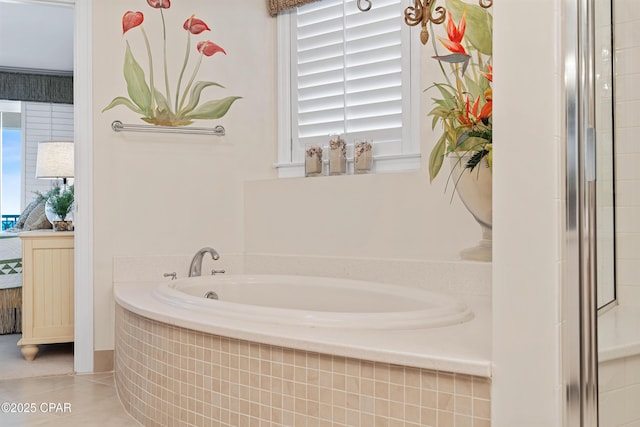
[146,99]
[464,108]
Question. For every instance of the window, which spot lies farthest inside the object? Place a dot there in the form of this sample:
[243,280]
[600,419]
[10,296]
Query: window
[11,146]
[22,126]
[347,72]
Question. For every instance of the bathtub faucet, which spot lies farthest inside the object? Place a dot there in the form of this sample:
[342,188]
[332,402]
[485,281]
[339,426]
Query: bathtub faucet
[196,263]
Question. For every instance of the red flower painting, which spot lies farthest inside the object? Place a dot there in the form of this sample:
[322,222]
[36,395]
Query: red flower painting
[159,4]
[131,20]
[208,48]
[171,108]
[195,25]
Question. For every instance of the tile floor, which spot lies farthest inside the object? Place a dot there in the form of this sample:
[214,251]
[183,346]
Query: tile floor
[52,359]
[91,399]
[63,400]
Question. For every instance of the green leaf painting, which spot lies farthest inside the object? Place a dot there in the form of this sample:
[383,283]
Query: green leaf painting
[137,87]
[213,109]
[144,97]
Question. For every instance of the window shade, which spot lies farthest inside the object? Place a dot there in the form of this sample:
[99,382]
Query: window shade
[347,72]
[277,6]
[36,87]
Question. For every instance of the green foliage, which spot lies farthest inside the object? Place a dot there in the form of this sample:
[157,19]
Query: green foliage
[61,201]
[462,104]
[437,157]
[476,158]
[486,135]
[45,196]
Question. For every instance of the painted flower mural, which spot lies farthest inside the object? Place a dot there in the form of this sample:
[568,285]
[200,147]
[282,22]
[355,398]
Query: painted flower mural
[464,106]
[163,106]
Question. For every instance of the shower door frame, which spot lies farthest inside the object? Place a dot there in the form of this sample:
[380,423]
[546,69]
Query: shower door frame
[580,359]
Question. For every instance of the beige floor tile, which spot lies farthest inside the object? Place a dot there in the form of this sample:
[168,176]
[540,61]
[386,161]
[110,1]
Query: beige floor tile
[92,400]
[105,378]
[52,359]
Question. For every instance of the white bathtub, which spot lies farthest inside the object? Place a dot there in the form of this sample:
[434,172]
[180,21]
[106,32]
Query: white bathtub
[314,301]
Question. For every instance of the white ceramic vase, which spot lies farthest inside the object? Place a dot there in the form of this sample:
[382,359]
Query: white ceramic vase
[475,190]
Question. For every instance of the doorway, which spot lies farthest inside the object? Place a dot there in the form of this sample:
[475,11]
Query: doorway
[81,54]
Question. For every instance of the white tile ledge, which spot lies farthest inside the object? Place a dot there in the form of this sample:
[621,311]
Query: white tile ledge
[457,278]
[464,348]
[618,333]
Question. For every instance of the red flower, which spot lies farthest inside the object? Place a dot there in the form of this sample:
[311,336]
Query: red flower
[208,48]
[470,115]
[159,4]
[195,25]
[488,74]
[487,110]
[465,116]
[455,34]
[131,20]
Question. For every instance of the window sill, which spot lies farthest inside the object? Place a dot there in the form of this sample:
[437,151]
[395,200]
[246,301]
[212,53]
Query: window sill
[381,164]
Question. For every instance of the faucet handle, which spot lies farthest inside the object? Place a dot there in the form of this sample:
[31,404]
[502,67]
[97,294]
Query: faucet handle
[173,275]
[214,272]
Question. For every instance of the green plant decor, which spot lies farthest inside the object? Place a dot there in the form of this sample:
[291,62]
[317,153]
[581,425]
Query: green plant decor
[61,201]
[464,107]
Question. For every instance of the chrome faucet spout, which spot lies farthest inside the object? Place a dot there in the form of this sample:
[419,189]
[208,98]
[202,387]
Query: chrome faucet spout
[195,269]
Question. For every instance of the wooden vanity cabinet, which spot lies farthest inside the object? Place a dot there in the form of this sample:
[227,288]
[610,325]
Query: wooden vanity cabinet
[47,289]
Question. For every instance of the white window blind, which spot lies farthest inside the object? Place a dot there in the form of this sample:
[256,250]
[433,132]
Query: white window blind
[42,122]
[350,74]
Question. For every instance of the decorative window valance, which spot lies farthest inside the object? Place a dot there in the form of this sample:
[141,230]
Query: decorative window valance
[277,6]
[36,87]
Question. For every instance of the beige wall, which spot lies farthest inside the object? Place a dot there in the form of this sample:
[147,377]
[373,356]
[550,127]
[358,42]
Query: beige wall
[172,194]
[528,213]
[390,216]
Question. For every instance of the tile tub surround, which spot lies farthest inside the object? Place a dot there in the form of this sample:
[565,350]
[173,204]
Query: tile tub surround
[619,366]
[168,375]
[618,333]
[619,392]
[464,348]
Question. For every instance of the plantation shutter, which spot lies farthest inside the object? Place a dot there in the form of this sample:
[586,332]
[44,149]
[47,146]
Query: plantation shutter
[42,122]
[349,74]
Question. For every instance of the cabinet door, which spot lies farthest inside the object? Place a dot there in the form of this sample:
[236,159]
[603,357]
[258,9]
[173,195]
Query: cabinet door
[48,290]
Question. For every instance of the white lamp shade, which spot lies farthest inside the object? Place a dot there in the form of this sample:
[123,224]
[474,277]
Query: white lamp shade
[55,160]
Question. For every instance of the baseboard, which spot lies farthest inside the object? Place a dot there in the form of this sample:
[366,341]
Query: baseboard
[103,361]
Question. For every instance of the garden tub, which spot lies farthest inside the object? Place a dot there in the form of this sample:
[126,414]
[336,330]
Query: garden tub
[314,301]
